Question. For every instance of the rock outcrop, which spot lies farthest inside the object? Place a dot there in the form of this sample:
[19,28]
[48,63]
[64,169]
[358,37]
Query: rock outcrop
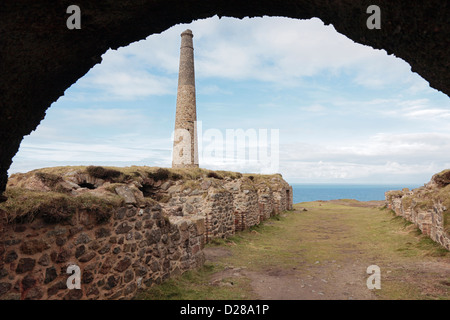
[125,228]
[428,207]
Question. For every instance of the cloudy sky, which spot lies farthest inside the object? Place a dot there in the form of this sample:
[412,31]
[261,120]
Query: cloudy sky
[343,112]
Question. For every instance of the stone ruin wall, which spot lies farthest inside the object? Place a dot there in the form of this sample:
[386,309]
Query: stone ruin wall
[218,213]
[430,220]
[138,247]
[228,205]
[245,210]
[135,249]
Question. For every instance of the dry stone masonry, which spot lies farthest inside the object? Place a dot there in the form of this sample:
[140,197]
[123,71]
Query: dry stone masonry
[136,248]
[125,229]
[428,207]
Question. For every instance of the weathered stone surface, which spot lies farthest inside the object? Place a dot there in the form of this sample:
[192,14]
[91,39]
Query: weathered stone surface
[120,213]
[25,265]
[63,256]
[87,277]
[155,266]
[92,291]
[11,256]
[20,228]
[35,293]
[166,185]
[87,256]
[33,246]
[127,194]
[123,264]
[44,260]
[130,289]
[50,274]
[3,273]
[61,285]
[80,251]
[74,294]
[28,282]
[123,228]
[105,249]
[112,282]
[106,266]
[153,236]
[59,231]
[425,207]
[94,245]
[60,241]
[128,276]
[4,287]
[102,233]
[83,238]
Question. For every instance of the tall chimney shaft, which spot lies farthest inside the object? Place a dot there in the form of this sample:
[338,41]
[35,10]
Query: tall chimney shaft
[185,148]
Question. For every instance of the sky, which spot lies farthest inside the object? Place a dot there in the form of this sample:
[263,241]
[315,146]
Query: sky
[326,109]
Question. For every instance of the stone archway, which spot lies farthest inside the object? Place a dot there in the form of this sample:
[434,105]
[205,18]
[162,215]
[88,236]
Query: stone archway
[41,57]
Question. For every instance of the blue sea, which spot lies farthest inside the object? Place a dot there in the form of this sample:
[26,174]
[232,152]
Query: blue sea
[313,192]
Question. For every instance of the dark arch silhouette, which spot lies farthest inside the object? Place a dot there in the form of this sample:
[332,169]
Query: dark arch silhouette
[40,57]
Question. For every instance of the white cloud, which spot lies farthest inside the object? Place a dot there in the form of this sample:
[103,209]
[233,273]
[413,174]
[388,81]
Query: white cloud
[128,85]
[387,172]
[314,108]
[278,50]
[399,147]
[124,150]
[383,156]
[103,116]
[420,109]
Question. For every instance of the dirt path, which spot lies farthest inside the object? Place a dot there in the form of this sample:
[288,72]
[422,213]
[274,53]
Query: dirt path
[324,252]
